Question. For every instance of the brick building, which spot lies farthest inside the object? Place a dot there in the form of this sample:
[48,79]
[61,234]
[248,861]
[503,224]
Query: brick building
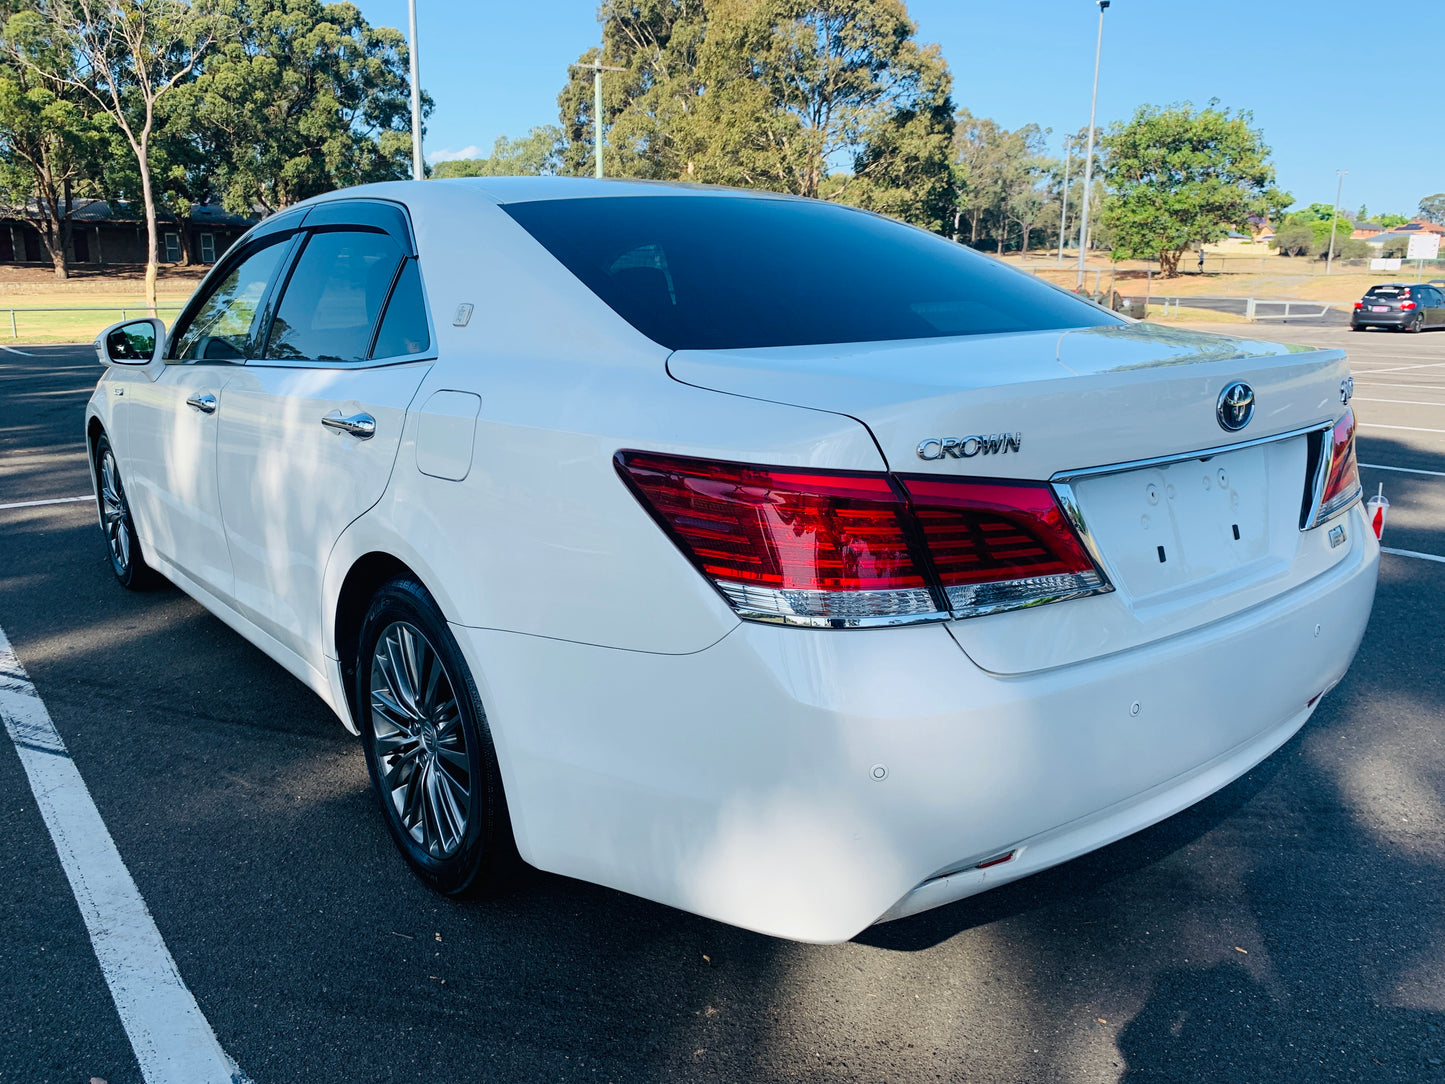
[115,233]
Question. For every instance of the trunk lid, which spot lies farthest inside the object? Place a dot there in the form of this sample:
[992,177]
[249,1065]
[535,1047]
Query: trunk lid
[1182,543]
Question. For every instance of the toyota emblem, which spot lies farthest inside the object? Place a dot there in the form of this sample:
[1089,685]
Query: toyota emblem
[1236,406]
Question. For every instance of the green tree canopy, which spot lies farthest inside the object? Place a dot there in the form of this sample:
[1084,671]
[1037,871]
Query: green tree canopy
[1294,239]
[1432,208]
[1177,177]
[303,98]
[54,140]
[533,155]
[776,94]
[1389,222]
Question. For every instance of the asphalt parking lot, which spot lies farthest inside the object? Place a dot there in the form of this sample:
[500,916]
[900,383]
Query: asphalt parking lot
[1290,928]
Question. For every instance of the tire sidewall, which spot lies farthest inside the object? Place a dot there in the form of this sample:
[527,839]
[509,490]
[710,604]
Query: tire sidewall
[132,576]
[404,600]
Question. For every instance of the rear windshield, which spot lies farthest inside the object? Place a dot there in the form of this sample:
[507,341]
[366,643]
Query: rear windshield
[711,272]
[1386,291]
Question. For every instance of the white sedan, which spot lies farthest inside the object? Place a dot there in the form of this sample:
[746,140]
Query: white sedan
[759,556]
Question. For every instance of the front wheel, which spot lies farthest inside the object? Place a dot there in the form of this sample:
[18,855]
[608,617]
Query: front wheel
[428,747]
[122,546]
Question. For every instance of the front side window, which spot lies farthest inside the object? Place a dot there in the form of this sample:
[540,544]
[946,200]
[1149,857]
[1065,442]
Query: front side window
[721,272]
[221,328]
[334,297]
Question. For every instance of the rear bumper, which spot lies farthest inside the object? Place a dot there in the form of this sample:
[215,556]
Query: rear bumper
[807,783]
[1381,319]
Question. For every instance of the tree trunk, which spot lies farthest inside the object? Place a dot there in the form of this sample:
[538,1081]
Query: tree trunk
[152,260]
[1169,264]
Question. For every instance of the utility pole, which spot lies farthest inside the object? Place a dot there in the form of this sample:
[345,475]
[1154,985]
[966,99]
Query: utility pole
[418,166]
[1089,155]
[597,68]
[1064,210]
[1335,220]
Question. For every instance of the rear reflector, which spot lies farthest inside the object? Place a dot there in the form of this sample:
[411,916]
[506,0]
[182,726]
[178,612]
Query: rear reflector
[1342,472]
[852,549]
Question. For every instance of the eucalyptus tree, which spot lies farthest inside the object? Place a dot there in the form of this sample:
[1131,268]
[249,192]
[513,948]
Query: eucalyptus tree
[301,98]
[828,98]
[53,140]
[129,56]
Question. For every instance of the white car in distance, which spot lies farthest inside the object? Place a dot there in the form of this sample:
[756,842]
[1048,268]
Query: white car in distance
[759,556]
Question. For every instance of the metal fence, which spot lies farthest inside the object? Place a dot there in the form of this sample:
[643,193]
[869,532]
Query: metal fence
[49,322]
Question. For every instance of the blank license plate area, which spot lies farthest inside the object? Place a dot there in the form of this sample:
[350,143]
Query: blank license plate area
[1216,523]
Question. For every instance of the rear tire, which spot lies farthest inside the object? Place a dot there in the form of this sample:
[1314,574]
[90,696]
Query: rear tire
[428,748]
[1416,324]
[122,545]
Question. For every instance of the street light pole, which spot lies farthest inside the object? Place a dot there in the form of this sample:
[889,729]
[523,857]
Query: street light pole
[418,166]
[1089,155]
[1335,220]
[1064,210]
[597,69]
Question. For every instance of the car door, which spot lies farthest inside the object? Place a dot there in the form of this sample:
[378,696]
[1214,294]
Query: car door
[313,421]
[170,425]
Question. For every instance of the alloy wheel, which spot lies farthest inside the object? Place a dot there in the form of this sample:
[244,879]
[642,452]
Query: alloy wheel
[115,513]
[419,740]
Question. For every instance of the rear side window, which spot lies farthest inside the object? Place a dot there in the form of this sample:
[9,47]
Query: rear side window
[404,328]
[720,272]
[221,328]
[334,297]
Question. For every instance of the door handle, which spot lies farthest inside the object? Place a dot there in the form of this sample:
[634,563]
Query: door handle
[360,426]
[206,403]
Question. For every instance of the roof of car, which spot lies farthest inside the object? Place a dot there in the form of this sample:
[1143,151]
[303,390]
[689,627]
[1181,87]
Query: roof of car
[528,189]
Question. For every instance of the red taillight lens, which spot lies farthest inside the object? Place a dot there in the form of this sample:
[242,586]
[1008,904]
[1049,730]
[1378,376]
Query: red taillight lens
[787,543]
[996,543]
[844,549]
[1359,304]
[1342,472]
[1407,304]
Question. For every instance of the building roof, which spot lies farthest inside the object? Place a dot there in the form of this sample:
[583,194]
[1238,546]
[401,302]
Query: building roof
[96,211]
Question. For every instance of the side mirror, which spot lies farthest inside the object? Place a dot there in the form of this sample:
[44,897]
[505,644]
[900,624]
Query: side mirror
[138,343]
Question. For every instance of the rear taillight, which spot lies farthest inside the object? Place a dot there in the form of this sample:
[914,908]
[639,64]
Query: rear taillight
[1341,471]
[1407,304]
[1359,304]
[996,545]
[850,549]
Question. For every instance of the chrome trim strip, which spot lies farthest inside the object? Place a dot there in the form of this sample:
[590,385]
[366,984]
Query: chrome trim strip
[1184,457]
[803,621]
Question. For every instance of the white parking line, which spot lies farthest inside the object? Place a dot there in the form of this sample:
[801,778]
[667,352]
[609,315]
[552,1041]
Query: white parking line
[172,1040]
[22,353]
[1402,402]
[1403,368]
[1412,553]
[1404,470]
[1418,387]
[53,500]
[1406,428]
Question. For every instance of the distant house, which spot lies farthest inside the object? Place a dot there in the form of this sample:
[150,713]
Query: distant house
[1366,230]
[105,233]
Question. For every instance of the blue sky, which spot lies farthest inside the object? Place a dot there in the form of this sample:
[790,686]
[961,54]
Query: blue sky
[1318,87]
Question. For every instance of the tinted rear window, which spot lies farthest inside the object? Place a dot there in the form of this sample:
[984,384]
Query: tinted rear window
[709,272]
[1385,291]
